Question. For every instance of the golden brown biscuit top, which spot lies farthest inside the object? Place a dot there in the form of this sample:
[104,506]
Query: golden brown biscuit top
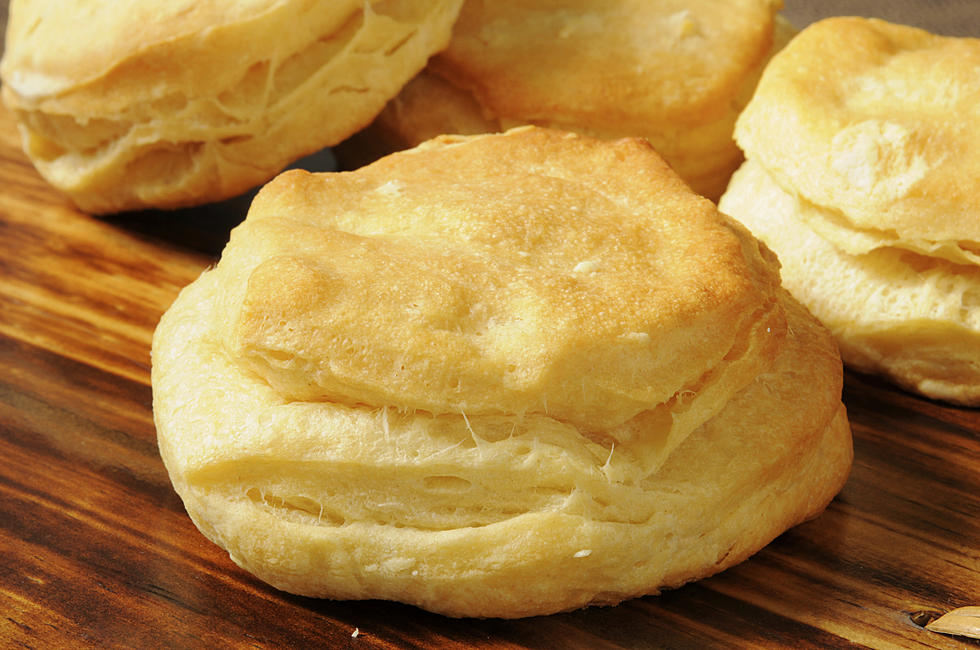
[878,122]
[55,46]
[48,49]
[631,62]
[530,272]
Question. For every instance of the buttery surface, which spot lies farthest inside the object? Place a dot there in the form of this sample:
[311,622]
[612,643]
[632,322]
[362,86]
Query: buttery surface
[499,375]
[98,549]
[862,160]
[914,318]
[552,276]
[674,72]
[878,123]
[512,69]
[488,516]
[182,103]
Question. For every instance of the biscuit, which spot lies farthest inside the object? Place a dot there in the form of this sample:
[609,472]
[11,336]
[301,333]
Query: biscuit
[182,103]
[863,146]
[496,376]
[676,73]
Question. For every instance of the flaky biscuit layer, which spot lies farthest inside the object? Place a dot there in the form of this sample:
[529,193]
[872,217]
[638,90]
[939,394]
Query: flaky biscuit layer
[911,317]
[485,516]
[878,123]
[502,375]
[862,152]
[181,103]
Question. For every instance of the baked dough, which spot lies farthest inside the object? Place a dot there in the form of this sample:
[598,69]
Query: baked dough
[499,375]
[863,148]
[675,72]
[189,101]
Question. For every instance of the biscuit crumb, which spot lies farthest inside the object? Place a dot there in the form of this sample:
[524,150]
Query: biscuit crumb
[685,23]
[636,337]
[391,188]
[586,266]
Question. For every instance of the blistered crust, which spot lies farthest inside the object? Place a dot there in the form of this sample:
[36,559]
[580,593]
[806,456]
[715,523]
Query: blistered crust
[530,273]
[185,103]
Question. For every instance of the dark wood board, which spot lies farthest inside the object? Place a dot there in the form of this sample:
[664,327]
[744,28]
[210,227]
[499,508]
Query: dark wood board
[98,552]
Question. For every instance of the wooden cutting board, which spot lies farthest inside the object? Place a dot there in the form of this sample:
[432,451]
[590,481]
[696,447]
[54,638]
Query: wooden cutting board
[97,549]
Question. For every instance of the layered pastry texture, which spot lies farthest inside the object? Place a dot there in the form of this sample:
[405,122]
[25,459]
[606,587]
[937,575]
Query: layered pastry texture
[863,150]
[165,104]
[497,376]
[675,72]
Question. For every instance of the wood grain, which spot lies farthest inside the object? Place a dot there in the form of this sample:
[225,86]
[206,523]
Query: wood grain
[98,552]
